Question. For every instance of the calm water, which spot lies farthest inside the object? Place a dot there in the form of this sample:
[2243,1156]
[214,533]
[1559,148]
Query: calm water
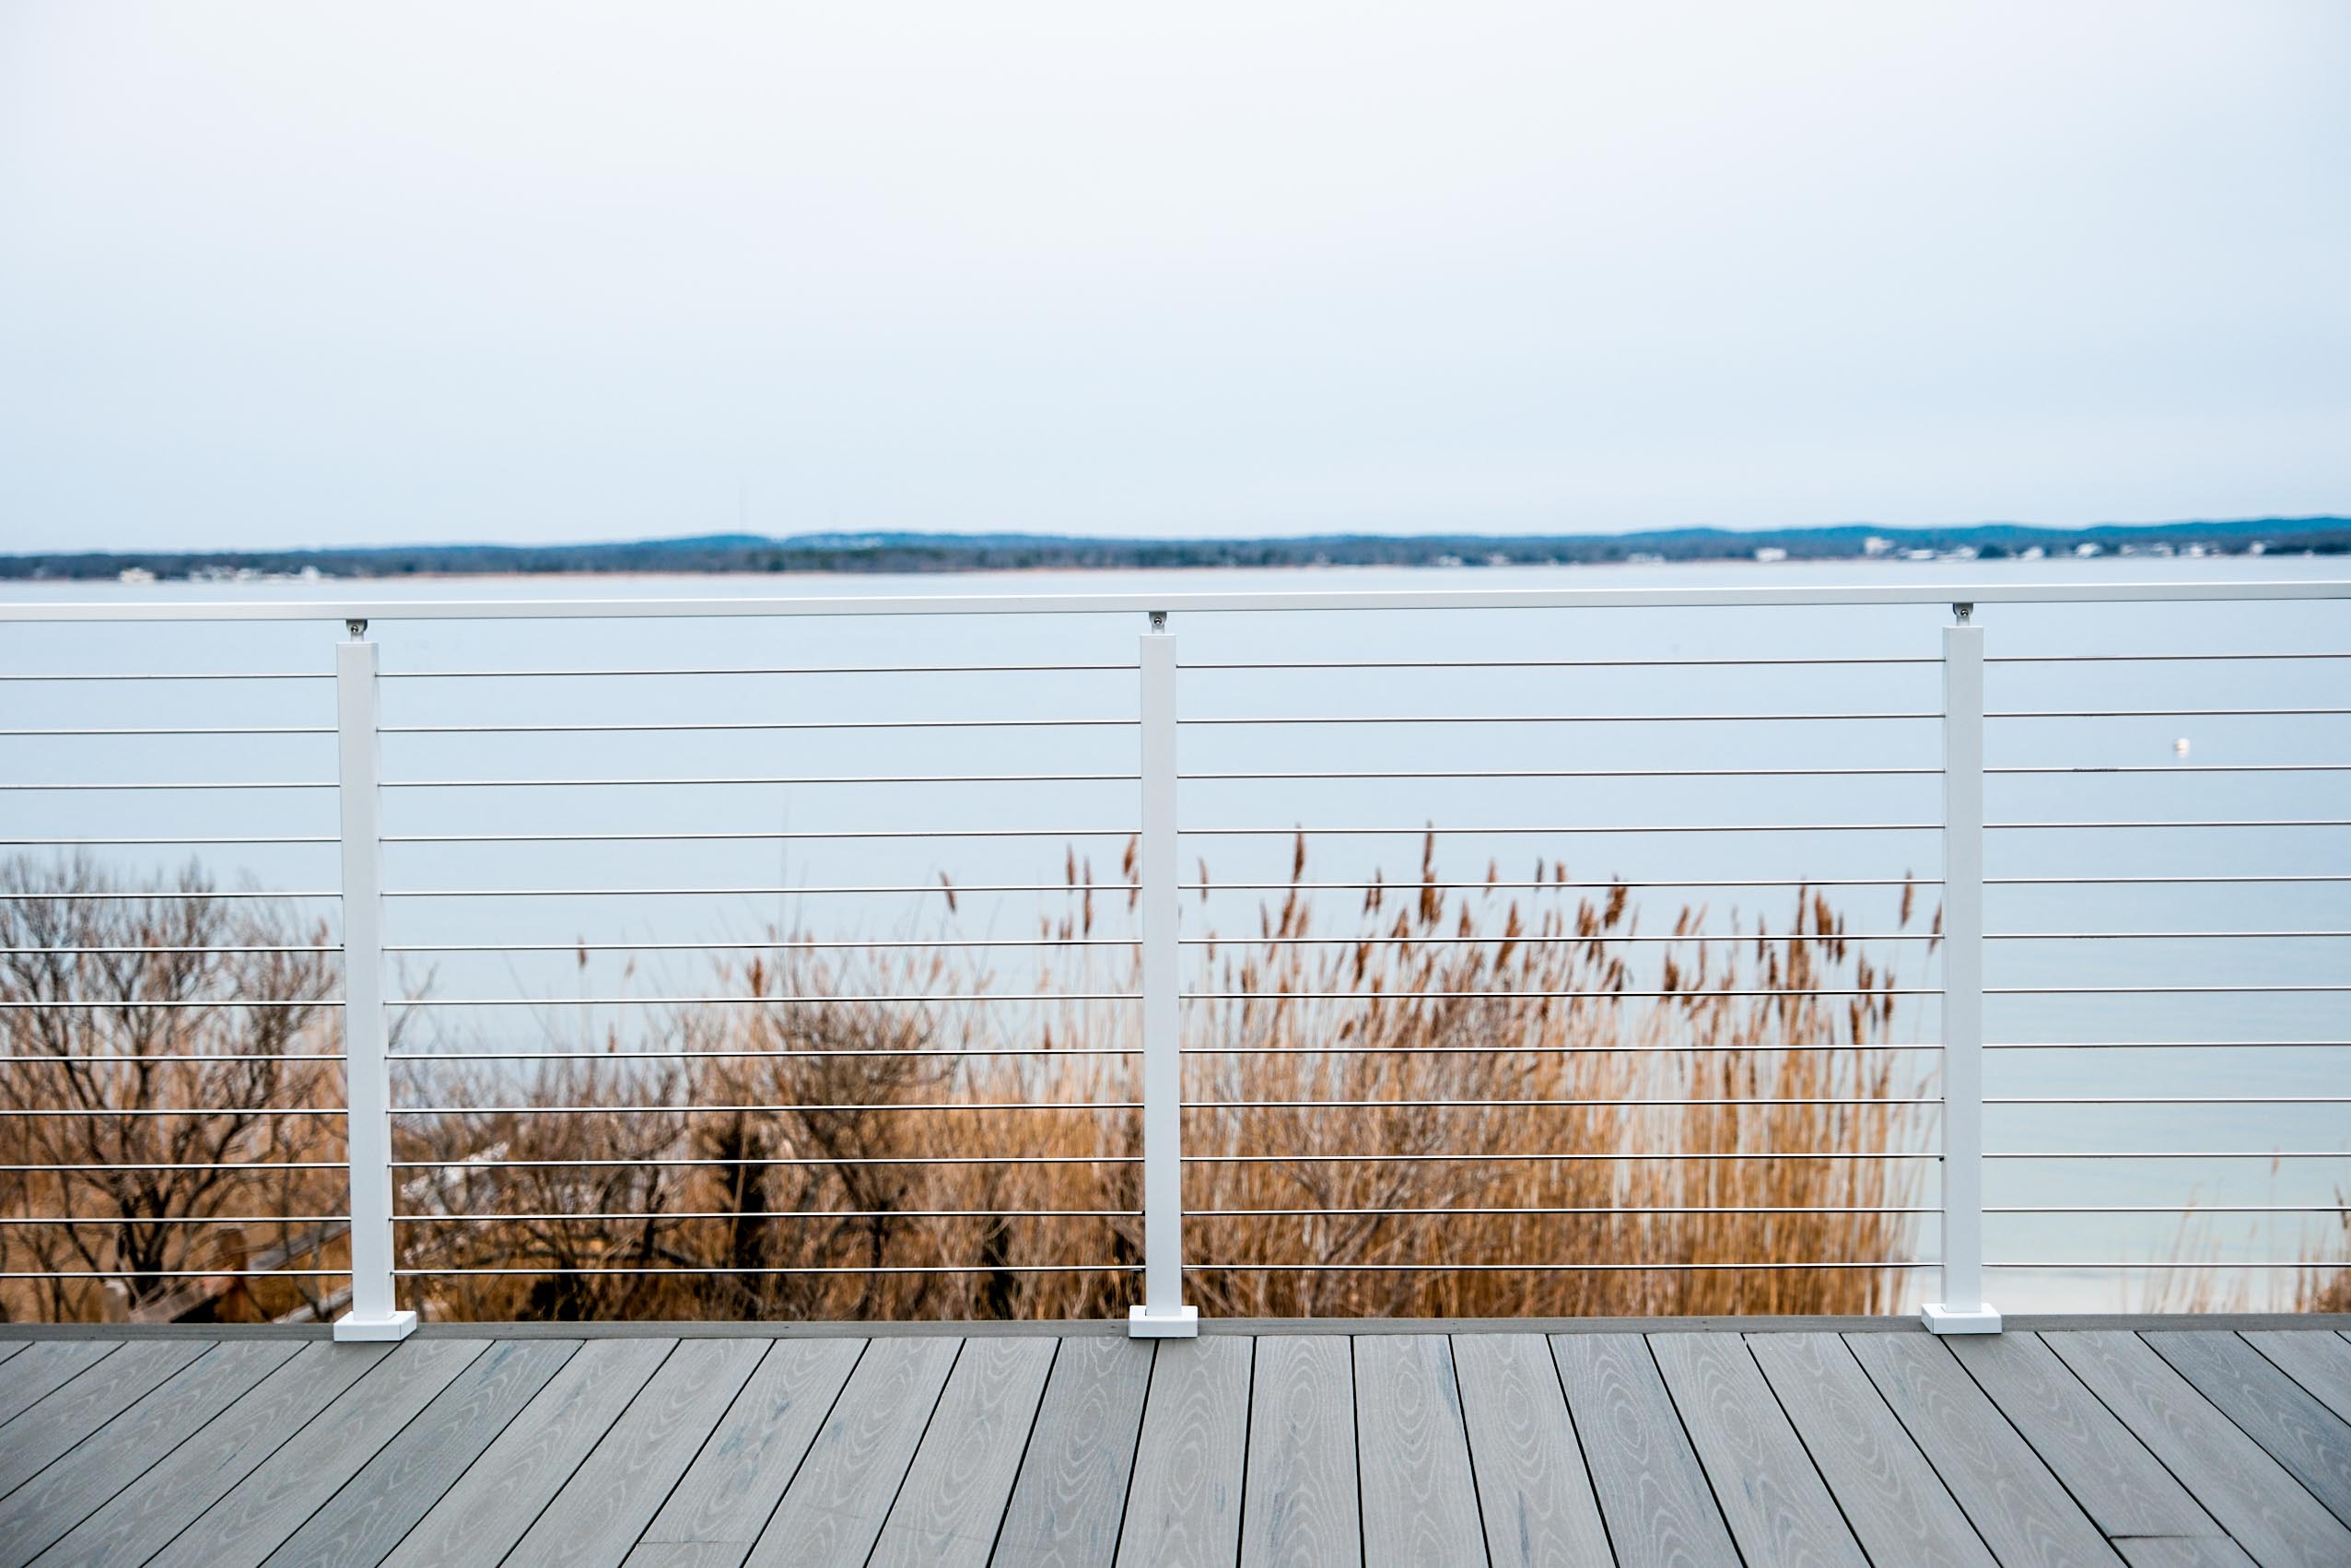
[1093,817]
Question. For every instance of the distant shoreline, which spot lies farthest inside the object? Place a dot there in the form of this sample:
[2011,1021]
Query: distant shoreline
[902,554]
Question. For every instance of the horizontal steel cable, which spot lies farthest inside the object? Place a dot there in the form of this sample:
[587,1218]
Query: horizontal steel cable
[1558,1104]
[2142,658]
[759,779]
[763,669]
[87,786]
[95,1111]
[1539,939]
[174,675]
[2167,1099]
[786,944]
[1547,664]
[783,1160]
[1233,720]
[780,1268]
[780,1214]
[184,1165]
[2169,1155]
[1548,1050]
[684,725]
[729,835]
[757,1054]
[168,895]
[204,1060]
[2311,1263]
[2181,767]
[2163,880]
[322,950]
[2164,1045]
[2245,988]
[170,1003]
[189,841]
[2167,713]
[959,889]
[1571,773]
[85,732]
[861,1108]
[1607,994]
[175,1274]
[826,999]
[1672,1209]
[1423,829]
[91,1221]
[1658,1267]
[1575,886]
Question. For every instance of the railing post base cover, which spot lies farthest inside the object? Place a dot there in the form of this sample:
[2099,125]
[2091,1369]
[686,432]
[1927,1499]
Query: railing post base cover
[351,1328]
[1143,1323]
[1941,1319]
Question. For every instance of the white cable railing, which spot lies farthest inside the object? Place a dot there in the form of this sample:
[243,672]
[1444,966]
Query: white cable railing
[1177,1108]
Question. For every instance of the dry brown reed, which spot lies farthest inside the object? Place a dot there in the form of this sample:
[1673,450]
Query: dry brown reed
[1355,1142]
[1397,1122]
[2326,1287]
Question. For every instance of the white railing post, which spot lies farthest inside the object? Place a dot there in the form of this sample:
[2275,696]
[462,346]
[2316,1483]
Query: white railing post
[1162,1314]
[366,1073]
[1962,1309]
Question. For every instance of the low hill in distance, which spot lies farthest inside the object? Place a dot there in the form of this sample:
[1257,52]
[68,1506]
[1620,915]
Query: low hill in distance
[903,552]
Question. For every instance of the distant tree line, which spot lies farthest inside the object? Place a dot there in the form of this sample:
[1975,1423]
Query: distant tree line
[900,552]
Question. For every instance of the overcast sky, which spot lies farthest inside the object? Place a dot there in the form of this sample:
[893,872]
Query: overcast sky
[300,274]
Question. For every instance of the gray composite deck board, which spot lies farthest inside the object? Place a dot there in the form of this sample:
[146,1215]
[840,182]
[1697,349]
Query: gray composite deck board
[262,1510]
[2276,1412]
[1660,1510]
[2182,1551]
[1071,1492]
[1534,1491]
[2262,1507]
[2123,1487]
[370,1514]
[2320,1363]
[1898,1509]
[1412,1446]
[2017,1505]
[722,1502]
[615,1494]
[1299,1503]
[1184,1498]
[86,1402]
[89,1474]
[685,1554]
[482,1517]
[2140,1446]
[1778,1508]
[45,1367]
[955,1491]
[833,1511]
[143,1516]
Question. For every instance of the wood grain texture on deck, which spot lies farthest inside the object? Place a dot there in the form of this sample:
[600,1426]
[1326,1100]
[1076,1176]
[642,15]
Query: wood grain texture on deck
[2132,1446]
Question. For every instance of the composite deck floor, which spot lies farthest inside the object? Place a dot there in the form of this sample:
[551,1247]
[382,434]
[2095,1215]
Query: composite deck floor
[2157,1448]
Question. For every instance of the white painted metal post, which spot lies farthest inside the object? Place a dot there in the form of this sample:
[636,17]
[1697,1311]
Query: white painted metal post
[1162,1314]
[1962,1309]
[366,1074]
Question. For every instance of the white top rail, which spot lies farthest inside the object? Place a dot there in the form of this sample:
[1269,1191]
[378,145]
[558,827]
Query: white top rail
[1193,602]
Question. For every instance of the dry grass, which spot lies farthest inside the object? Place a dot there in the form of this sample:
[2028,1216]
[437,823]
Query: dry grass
[2326,1287]
[1353,1150]
[1329,1063]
